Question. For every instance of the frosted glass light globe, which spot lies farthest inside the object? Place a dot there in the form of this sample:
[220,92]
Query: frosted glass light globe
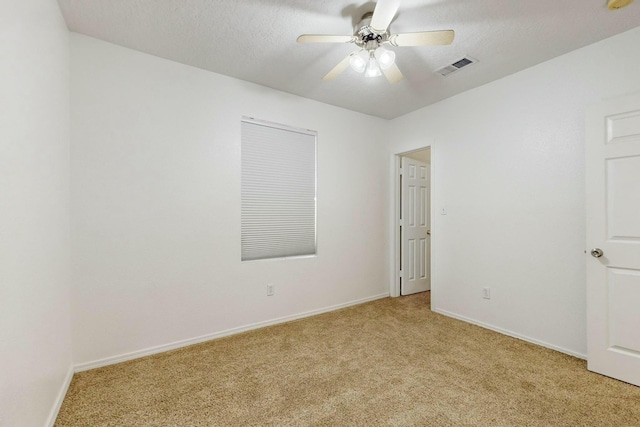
[358,61]
[373,69]
[385,57]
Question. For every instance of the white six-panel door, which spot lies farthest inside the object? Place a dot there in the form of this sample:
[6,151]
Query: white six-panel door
[415,223]
[613,238]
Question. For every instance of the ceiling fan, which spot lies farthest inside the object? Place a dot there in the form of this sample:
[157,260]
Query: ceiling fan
[370,35]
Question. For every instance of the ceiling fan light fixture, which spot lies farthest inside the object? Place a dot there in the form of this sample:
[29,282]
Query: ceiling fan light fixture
[371,33]
[385,57]
[358,61]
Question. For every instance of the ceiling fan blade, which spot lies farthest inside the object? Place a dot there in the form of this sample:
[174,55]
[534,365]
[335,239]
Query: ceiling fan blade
[423,38]
[335,72]
[324,38]
[383,14]
[393,74]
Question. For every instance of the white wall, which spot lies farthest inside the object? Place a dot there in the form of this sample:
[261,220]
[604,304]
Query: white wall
[156,205]
[508,165]
[35,341]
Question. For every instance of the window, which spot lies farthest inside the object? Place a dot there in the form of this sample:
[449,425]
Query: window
[278,191]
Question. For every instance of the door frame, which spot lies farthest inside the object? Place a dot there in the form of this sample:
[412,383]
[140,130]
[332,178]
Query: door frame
[394,286]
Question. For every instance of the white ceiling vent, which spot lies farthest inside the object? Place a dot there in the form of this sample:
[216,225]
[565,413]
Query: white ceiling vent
[457,65]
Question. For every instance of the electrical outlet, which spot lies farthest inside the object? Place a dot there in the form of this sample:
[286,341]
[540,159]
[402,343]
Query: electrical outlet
[270,290]
[486,293]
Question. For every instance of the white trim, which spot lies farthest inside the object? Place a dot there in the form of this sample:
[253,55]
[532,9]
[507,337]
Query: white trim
[511,334]
[184,343]
[60,398]
[394,285]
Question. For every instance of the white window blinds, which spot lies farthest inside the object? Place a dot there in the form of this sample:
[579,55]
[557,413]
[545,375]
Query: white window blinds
[278,191]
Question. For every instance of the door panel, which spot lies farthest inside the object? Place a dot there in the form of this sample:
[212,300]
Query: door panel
[423,207]
[613,225]
[411,260]
[624,292]
[623,195]
[415,215]
[423,259]
[411,210]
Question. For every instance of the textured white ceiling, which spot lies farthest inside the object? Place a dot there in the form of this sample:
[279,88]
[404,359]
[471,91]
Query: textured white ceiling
[255,40]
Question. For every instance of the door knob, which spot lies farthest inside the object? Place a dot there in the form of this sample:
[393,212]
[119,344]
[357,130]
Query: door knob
[429,232]
[597,252]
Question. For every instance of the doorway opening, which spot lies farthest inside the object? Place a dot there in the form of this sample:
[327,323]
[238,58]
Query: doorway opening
[412,222]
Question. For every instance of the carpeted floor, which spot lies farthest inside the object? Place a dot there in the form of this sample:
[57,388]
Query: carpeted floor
[388,362]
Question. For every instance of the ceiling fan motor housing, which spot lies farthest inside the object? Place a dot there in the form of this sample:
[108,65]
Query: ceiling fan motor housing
[366,37]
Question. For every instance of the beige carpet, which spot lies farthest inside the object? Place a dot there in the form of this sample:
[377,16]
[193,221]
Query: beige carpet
[388,362]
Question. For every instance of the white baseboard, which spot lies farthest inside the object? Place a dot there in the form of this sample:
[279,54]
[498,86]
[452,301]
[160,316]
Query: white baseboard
[60,398]
[511,334]
[184,343]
